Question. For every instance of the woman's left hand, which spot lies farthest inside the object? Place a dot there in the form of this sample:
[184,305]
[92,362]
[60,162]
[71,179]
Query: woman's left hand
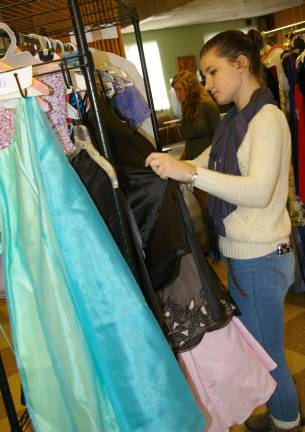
[168,167]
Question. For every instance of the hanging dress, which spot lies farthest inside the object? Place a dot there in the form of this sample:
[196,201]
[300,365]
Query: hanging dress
[227,369]
[228,372]
[90,354]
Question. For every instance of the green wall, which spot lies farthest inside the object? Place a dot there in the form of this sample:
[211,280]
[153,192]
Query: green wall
[180,41]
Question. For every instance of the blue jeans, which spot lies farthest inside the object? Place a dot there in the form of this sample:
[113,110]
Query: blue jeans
[265,282]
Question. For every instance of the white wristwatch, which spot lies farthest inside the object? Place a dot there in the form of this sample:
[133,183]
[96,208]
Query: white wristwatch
[190,184]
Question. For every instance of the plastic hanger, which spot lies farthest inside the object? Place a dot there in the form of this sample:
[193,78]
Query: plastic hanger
[105,66]
[82,140]
[45,53]
[13,58]
[48,67]
[19,66]
[57,43]
[41,40]
[48,43]
[71,45]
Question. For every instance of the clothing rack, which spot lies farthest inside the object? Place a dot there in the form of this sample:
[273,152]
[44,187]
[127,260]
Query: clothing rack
[299,31]
[59,19]
[31,40]
[8,401]
[284,29]
[54,18]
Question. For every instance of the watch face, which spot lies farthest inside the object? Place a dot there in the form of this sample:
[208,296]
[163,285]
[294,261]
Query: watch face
[190,184]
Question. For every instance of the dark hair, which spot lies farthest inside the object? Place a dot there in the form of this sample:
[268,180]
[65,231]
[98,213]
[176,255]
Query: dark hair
[232,43]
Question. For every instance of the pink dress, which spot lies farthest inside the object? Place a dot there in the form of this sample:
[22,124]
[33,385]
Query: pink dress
[228,372]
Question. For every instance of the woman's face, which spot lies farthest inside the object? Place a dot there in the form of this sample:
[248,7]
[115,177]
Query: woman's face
[223,77]
[180,92]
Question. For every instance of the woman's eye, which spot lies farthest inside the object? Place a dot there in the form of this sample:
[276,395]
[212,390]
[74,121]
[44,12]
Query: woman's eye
[213,72]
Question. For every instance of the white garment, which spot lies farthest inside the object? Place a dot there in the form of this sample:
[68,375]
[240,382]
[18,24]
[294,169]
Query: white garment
[273,58]
[261,220]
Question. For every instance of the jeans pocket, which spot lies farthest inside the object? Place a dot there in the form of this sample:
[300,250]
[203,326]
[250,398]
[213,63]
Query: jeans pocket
[282,270]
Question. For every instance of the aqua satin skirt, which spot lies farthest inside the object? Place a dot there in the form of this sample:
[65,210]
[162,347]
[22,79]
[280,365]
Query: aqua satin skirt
[90,354]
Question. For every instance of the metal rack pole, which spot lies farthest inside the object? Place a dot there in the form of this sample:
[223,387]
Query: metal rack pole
[286,28]
[88,71]
[136,26]
[298,31]
[8,400]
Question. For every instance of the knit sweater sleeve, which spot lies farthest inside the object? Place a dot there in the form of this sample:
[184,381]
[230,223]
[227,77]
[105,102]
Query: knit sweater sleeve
[203,159]
[254,190]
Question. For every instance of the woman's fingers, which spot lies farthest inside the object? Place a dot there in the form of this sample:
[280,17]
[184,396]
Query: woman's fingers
[166,166]
[160,163]
[152,158]
[163,172]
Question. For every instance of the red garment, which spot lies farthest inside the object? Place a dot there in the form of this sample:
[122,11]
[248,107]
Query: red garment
[300,112]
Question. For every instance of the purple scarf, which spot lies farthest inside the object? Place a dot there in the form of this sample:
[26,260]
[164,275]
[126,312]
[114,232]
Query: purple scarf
[223,156]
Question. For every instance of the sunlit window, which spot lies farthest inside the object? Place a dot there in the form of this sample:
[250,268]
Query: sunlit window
[154,68]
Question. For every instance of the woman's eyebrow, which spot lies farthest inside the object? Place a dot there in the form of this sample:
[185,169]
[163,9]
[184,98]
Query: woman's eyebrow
[208,68]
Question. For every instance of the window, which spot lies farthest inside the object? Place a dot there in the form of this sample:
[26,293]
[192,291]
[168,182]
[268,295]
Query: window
[154,68]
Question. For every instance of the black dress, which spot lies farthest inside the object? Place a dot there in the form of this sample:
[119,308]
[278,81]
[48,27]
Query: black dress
[192,302]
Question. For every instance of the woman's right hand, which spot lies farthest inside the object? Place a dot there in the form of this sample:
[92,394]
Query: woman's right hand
[165,166]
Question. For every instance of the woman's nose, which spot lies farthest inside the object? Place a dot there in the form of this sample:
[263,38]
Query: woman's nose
[208,83]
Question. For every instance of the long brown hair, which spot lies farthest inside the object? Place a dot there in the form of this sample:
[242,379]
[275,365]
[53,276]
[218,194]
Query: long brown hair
[194,93]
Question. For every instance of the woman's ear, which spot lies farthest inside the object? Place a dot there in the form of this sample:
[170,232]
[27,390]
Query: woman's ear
[242,62]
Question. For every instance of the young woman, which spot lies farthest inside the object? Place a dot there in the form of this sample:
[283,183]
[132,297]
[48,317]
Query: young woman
[200,114]
[245,173]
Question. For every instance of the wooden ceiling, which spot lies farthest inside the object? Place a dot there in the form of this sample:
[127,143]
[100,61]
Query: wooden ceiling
[158,14]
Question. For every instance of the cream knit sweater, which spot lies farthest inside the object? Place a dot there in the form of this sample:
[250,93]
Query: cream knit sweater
[261,220]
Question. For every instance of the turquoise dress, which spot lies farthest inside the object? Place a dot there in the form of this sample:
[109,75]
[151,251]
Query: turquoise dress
[90,354]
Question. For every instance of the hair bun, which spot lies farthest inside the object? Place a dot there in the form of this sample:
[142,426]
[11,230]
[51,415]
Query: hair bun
[256,38]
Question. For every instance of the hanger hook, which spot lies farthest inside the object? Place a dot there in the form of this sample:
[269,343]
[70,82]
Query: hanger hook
[24,92]
[66,73]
